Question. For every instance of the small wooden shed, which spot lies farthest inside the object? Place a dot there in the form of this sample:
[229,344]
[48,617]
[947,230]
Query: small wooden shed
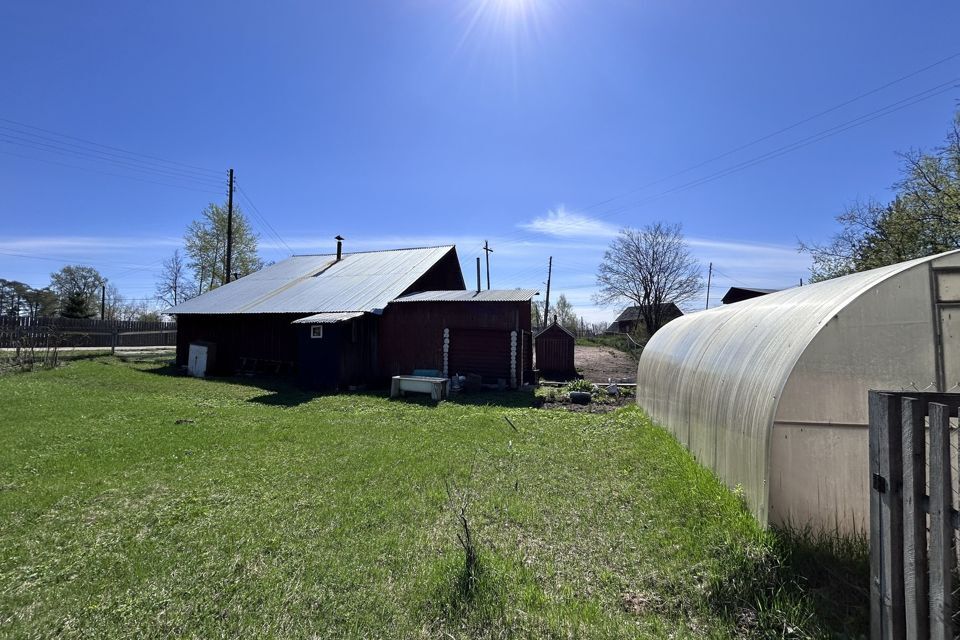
[554,348]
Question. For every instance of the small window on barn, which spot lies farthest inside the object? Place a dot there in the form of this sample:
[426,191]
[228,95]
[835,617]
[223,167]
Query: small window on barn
[316,331]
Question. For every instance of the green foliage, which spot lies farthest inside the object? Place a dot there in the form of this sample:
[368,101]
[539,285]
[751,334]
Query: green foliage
[923,218]
[77,288]
[78,305]
[139,503]
[581,385]
[206,246]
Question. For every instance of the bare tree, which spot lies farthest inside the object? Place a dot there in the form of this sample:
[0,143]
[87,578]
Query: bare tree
[176,282]
[649,267]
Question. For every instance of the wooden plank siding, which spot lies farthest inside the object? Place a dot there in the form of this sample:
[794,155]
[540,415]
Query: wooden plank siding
[260,336]
[555,353]
[411,337]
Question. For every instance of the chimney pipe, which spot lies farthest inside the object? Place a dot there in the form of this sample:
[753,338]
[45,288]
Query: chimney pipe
[478,275]
[339,248]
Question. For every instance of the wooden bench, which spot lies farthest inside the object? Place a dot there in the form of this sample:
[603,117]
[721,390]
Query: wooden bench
[436,387]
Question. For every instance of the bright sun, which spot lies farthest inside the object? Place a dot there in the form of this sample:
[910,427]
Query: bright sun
[497,18]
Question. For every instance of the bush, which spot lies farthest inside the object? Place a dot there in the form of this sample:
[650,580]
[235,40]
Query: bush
[581,385]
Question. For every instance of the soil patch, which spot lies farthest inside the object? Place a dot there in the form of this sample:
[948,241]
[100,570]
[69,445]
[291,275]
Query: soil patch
[598,364]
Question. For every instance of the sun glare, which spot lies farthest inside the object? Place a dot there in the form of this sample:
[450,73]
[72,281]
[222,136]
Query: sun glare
[513,19]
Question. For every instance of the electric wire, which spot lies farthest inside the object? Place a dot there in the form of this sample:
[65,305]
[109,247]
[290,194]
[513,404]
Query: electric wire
[213,172]
[263,218]
[62,150]
[819,136]
[108,173]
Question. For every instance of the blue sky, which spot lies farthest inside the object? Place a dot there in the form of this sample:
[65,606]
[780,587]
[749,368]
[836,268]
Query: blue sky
[540,125]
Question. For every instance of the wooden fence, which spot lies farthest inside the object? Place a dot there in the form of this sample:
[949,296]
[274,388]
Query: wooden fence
[912,574]
[74,332]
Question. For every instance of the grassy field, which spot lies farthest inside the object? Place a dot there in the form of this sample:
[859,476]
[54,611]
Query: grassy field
[135,502]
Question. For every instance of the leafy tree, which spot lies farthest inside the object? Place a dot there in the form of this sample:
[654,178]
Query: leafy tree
[563,312]
[41,302]
[12,297]
[921,220]
[76,287]
[206,247]
[77,305]
[649,267]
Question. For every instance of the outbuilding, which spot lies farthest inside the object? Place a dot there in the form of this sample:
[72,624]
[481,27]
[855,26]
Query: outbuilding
[555,347]
[771,393]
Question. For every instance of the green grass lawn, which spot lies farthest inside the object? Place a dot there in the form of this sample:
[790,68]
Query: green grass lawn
[135,502]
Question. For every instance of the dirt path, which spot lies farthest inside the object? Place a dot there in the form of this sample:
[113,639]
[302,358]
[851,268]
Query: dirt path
[596,364]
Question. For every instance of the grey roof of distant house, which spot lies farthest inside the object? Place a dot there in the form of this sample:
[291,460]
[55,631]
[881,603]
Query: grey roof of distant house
[365,281]
[753,290]
[487,295]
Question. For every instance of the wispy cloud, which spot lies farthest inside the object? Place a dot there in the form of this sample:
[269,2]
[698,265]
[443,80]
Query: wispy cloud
[561,223]
[85,244]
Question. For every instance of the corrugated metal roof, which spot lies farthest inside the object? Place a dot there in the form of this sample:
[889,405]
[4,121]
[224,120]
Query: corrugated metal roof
[488,295]
[329,318]
[310,284]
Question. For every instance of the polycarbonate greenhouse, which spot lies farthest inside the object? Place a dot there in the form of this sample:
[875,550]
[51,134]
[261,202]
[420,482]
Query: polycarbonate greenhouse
[771,393]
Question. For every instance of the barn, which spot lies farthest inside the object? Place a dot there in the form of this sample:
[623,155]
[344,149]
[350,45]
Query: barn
[771,393]
[336,321]
[555,347]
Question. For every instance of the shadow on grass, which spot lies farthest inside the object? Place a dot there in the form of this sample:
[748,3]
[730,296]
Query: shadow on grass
[834,572]
[279,390]
[282,390]
[813,582]
[520,399]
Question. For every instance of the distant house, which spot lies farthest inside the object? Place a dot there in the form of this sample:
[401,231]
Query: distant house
[738,294]
[353,319]
[631,318]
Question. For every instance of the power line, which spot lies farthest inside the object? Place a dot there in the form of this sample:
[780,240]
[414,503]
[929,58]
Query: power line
[88,155]
[782,130]
[213,172]
[264,219]
[108,173]
[780,151]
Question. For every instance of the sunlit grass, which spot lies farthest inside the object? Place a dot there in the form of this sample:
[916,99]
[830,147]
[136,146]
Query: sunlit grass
[137,503]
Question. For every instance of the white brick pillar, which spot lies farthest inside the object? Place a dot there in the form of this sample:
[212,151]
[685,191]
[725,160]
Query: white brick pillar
[513,359]
[446,353]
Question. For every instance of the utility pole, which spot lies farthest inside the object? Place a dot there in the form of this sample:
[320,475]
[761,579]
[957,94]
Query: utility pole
[226,274]
[478,274]
[488,251]
[103,300]
[709,278]
[546,304]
